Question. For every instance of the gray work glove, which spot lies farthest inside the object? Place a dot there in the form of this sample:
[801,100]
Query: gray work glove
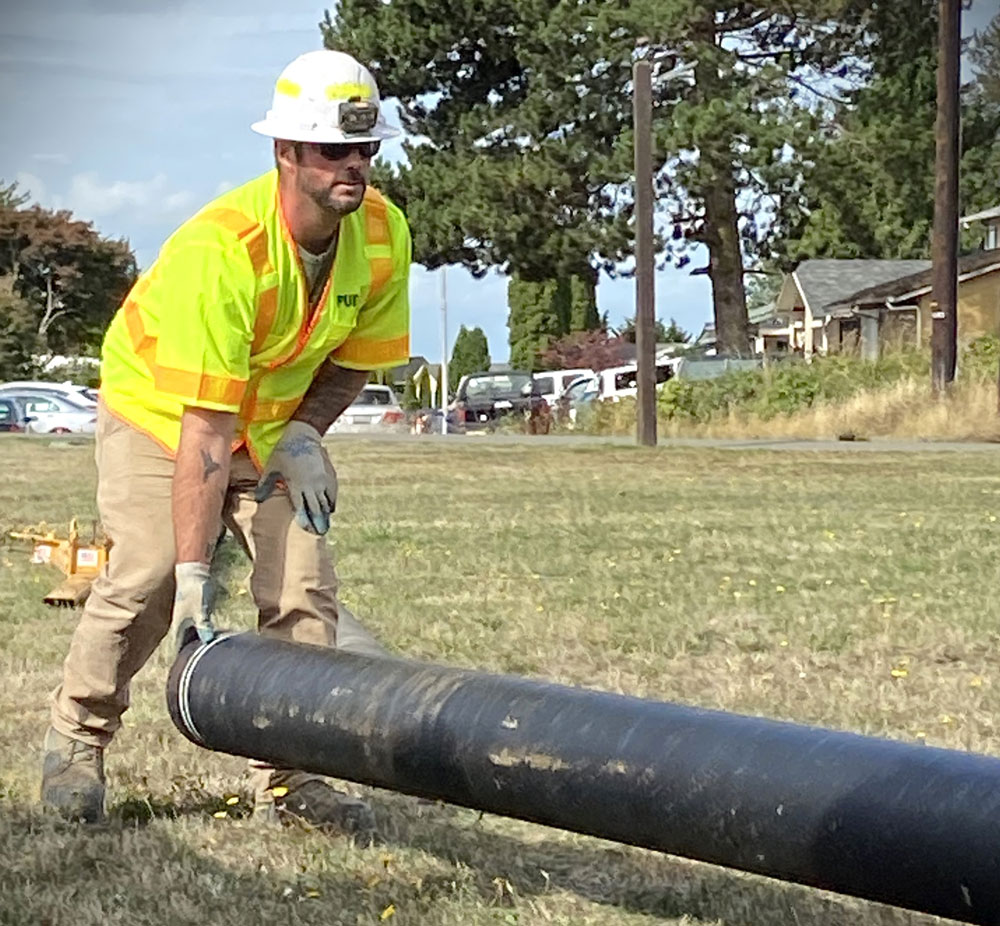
[299,461]
[193,602]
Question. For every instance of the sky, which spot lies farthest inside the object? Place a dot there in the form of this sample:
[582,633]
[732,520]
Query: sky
[135,113]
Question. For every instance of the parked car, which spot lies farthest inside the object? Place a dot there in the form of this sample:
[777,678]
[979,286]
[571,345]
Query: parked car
[81,395]
[576,397]
[552,383]
[54,414]
[376,410]
[483,400]
[13,417]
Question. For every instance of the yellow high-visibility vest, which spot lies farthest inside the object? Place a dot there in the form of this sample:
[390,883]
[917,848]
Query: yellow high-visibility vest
[222,320]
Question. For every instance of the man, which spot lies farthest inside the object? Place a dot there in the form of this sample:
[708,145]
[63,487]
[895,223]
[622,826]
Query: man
[254,329]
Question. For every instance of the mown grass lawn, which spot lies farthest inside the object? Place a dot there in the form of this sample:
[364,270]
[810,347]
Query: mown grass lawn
[853,591]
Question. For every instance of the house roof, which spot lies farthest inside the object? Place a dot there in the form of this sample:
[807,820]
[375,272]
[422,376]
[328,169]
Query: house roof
[827,282]
[915,284]
[404,371]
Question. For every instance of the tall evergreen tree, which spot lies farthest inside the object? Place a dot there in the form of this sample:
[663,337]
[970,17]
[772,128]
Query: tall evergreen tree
[534,320]
[542,312]
[868,187]
[471,354]
[523,110]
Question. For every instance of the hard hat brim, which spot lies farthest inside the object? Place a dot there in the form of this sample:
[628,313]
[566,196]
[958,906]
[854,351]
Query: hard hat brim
[322,134]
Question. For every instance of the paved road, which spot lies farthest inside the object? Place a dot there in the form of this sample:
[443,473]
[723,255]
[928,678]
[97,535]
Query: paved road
[573,440]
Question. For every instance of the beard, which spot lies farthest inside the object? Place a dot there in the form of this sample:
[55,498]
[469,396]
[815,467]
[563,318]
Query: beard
[336,199]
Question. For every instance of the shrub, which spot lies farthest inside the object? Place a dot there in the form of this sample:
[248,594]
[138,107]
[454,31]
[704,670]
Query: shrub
[788,386]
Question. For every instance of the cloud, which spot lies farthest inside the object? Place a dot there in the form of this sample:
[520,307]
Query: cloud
[51,158]
[34,187]
[150,199]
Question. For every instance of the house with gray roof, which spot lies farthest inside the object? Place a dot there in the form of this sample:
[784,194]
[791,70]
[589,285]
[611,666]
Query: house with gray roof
[809,293]
[901,310]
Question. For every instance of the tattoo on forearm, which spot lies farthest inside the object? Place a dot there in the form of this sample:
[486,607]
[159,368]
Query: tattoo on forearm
[333,389]
[210,466]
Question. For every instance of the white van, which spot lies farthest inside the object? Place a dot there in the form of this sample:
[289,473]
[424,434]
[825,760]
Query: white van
[552,383]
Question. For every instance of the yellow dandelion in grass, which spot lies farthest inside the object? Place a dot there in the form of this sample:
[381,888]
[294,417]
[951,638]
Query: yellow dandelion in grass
[921,735]
[312,894]
[783,643]
[540,608]
[946,719]
[976,682]
[279,791]
[387,912]
[899,673]
[993,517]
[779,588]
[232,800]
[752,583]
[220,815]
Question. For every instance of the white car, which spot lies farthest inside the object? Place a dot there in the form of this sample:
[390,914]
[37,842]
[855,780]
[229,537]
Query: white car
[551,384]
[376,410]
[79,395]
[53,414]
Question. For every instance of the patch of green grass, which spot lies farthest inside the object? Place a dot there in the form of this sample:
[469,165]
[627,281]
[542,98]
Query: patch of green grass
[849,591]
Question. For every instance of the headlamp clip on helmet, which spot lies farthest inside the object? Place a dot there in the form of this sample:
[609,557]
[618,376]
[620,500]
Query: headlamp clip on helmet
[357,116]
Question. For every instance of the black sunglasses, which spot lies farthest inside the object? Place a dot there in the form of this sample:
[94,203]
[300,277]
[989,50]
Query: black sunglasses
[337,151]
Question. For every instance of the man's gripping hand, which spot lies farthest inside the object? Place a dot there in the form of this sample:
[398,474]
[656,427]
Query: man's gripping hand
[193,601]
[299,461]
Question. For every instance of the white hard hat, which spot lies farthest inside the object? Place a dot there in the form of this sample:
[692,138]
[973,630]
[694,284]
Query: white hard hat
[325,96]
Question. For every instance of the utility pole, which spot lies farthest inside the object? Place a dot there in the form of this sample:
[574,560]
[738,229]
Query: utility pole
[645,332]
[944,245]
[443,385]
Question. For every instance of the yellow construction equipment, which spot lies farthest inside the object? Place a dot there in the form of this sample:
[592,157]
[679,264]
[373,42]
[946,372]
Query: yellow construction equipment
[79,561]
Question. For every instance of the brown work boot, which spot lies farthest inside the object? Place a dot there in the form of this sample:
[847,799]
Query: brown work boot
[73,778]
[300,797]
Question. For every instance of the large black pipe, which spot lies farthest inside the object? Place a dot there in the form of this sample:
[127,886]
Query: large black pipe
[913,826]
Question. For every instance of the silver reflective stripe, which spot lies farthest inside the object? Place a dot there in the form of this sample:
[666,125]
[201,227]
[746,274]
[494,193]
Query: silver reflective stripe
[185,683]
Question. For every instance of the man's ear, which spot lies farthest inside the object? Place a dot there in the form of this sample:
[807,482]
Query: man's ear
[286,153]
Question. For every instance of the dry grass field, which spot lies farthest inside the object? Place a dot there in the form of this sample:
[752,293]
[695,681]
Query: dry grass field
[853,591]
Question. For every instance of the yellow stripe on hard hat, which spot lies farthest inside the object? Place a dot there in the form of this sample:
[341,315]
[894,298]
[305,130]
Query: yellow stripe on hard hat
[346,91]
[287,87]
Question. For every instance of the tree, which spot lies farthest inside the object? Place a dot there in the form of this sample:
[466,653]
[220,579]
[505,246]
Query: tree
[471,354]
[410,398]
[542,312]
[523,114]
[868,185]
[69,277]
[985,57]
[672,333]
[594,350]
[18,339]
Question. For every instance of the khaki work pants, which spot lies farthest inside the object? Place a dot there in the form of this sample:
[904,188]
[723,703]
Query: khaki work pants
[293,582]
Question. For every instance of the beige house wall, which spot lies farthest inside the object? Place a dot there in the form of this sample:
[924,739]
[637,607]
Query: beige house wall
[978,309]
